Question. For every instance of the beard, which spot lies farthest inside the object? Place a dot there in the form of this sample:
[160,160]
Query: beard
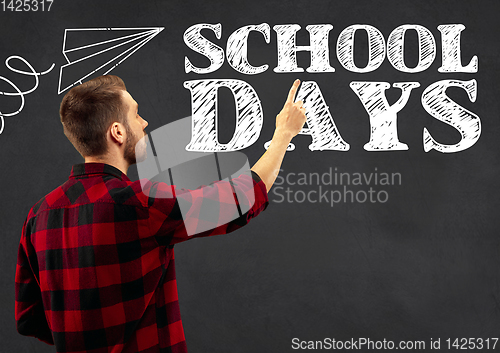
[135,148]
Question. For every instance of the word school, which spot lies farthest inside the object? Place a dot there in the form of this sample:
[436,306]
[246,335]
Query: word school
[320,123]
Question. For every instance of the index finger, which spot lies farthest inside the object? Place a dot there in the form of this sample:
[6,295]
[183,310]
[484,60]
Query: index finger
[293,91]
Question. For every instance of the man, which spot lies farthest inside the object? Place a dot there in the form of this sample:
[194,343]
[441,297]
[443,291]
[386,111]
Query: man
[95,268]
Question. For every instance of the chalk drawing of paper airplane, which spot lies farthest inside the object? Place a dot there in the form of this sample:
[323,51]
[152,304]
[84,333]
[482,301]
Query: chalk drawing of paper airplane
[97,51]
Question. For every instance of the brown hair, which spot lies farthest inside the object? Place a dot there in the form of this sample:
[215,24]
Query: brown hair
[89,109]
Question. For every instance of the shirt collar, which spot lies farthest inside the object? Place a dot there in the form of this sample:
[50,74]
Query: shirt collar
[86,169]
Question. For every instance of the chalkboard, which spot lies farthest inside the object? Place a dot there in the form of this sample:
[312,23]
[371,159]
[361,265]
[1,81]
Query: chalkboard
[376,244]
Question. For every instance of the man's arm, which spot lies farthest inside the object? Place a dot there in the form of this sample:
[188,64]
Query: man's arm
[289,122]
[29,311]
[223,206]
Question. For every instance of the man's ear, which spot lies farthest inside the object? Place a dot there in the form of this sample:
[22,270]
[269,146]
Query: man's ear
[117,132]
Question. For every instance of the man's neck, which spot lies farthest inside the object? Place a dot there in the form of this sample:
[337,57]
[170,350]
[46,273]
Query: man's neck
[121,164]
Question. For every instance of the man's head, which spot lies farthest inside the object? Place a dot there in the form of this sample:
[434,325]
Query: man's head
[99,114]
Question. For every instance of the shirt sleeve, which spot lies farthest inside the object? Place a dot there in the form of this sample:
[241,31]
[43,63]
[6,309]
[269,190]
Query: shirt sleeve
[29,310]
[177,214]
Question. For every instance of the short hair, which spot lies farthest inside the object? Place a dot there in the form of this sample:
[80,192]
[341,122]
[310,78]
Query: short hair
[88,110]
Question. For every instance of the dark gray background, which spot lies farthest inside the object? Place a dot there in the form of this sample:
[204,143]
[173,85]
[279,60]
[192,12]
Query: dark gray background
[425,264]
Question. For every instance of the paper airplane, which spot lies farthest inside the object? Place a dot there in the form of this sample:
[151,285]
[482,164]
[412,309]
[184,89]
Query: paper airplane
[97,51]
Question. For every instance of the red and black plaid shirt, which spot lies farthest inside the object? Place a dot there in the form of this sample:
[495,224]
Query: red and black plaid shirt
[95,269]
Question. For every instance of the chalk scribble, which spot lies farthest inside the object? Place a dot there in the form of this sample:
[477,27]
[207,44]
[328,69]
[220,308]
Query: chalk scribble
[88,52]
[17,92]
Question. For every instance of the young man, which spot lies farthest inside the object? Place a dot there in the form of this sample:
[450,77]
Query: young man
[95,268]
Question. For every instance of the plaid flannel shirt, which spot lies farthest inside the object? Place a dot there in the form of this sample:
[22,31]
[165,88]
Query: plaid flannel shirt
[95,269]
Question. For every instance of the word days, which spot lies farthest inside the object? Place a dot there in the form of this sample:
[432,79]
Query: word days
[320,124]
